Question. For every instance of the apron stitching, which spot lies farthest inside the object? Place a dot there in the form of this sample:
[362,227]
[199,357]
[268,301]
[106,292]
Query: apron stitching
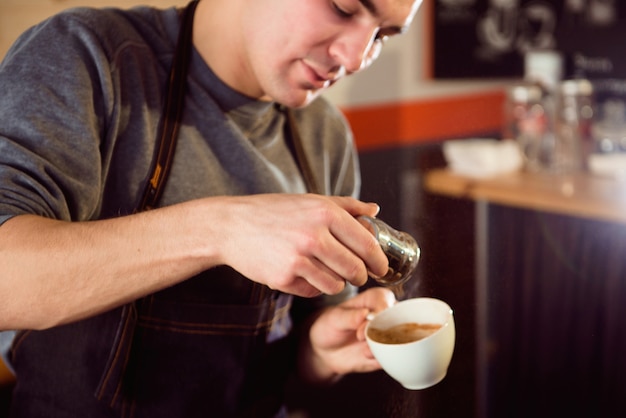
[199,328]
[118,352]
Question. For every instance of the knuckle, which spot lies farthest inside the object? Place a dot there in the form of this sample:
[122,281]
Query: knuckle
[281,282]
[326,213]
[372,246]
[309,244]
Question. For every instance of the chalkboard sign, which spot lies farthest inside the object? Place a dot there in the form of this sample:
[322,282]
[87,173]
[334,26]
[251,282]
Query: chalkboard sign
[489,38]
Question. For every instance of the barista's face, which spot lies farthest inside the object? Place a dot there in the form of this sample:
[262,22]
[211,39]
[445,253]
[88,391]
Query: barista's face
[295,49]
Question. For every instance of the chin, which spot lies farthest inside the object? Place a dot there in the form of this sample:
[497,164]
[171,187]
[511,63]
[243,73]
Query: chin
[301,99]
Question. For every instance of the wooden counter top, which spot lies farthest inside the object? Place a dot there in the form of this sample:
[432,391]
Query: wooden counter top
[580,194]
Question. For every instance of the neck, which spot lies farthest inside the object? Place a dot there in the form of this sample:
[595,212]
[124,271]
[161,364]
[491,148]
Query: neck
[216,37]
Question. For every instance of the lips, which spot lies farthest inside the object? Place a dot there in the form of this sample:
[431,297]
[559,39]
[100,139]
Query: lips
[315,78]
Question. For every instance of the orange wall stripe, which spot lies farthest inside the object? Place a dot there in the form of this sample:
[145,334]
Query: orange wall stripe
[399,124]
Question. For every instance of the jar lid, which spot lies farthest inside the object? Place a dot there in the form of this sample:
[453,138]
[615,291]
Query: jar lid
[544,66]
[525,93]
[577,87]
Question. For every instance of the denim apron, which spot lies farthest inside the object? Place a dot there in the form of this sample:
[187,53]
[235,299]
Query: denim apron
[216,345]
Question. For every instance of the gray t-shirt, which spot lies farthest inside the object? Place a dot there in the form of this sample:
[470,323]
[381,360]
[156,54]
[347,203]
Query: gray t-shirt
[81,98]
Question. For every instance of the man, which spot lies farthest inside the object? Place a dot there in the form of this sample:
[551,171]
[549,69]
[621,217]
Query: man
[185,309]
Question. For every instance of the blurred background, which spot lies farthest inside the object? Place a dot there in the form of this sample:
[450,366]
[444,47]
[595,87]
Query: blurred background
[539,304]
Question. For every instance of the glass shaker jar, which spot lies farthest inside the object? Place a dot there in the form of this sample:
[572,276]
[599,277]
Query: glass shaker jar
[609,122]
[574,118]
[400,248]
[527,121]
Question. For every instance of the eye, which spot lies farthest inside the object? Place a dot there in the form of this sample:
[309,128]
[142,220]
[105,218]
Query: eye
[382,35]
[381,38]
[342,12]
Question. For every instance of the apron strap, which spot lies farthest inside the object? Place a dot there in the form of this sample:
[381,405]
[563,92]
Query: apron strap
[171,115]
[110,386]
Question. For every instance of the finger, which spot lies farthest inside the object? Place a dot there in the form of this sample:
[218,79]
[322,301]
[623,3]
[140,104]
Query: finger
[375,299]
[370,363]
[321,277]
[363,360]
[340,262]
[300,287]
[351,319]
[353,235]
[356,207]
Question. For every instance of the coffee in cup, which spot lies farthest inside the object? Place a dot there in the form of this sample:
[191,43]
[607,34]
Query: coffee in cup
[403,333]
[413,341]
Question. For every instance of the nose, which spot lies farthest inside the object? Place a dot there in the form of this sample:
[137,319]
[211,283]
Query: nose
[355,50]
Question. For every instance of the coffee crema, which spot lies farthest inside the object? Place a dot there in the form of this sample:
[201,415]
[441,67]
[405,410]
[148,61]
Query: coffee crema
[403,333]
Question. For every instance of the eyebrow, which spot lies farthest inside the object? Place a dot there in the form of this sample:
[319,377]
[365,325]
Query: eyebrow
[371,7]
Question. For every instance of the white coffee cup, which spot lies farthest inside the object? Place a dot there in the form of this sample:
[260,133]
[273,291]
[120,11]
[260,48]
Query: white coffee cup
[422,363]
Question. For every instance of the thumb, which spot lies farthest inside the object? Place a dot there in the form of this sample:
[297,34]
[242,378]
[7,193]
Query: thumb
[353,320]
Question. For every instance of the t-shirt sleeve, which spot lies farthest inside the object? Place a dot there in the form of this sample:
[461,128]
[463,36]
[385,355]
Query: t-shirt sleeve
[51,118]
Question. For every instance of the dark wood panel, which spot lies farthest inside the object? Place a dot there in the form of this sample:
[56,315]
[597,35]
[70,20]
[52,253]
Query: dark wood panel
[557,315]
